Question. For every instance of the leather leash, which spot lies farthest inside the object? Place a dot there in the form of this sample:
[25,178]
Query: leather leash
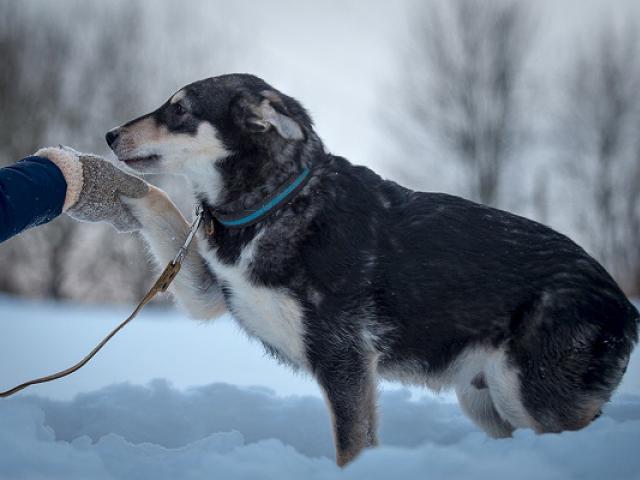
[161,285]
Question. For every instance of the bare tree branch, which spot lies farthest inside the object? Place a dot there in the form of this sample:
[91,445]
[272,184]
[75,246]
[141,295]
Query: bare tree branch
[599,137]
[462,87]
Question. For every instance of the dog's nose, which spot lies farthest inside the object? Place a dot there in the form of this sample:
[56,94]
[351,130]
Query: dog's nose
[112,136]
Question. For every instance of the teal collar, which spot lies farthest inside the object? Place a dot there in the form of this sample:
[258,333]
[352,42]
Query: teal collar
[271,204]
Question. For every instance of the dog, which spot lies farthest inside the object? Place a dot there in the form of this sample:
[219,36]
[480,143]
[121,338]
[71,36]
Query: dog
[352,277]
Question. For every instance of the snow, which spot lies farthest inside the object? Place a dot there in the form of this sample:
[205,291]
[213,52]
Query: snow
[157,344]
[223,431]
[113,421]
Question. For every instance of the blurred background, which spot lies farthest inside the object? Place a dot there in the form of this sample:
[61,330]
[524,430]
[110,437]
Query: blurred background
[531,106]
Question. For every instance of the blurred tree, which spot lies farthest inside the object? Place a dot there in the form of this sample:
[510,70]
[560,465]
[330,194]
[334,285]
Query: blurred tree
[598,134]
[31,80]
[31,84]
[71,70]
[64,84]
[107,88]
[461,88]
[631,257]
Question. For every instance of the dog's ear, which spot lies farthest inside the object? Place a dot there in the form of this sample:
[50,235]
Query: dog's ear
[260,113]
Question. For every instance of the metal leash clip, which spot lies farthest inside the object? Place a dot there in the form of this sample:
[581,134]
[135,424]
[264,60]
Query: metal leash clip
[194,228]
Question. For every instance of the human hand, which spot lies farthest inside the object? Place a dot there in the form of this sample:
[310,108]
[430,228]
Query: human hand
[96,188]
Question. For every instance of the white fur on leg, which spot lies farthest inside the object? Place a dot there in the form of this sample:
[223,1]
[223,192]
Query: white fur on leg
[479,407]
[165,229]
[504,385]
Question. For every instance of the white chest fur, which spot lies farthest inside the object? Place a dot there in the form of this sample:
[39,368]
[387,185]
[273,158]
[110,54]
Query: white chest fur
[272,315]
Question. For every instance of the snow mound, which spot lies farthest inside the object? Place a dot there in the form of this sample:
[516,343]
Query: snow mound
[222,431]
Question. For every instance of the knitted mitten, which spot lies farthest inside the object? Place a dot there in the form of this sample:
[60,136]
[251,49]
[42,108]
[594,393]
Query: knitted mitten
[95,188]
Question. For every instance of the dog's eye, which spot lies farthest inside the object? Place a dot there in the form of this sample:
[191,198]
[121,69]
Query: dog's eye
[179,110]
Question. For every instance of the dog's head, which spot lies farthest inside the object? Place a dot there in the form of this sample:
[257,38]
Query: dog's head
[208,121]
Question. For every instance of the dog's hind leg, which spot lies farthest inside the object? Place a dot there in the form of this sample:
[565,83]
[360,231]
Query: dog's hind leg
[348,380]
[565,359]
[475,400]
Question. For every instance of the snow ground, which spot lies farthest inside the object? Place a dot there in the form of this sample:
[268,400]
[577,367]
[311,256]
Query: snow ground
[203,419]
[157,344]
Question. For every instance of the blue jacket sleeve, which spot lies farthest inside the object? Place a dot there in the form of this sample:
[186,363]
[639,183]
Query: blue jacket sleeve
[32,192]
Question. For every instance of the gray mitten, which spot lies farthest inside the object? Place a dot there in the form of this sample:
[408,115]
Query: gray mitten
[95,188]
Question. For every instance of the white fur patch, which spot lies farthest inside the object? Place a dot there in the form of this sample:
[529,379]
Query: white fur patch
[461,370]
[272,315]
[502,381]
[179,95]
[180,153]
[504,386]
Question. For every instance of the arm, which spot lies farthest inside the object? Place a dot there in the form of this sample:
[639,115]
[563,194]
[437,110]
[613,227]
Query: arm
[32,192]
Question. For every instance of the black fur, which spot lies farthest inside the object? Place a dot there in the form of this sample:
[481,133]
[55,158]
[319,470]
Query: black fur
[426,275]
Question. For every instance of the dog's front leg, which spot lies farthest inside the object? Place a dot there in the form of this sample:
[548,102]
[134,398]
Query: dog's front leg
[165,230]
[348,379]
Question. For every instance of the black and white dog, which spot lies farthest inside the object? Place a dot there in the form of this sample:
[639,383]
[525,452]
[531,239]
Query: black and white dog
[350,276]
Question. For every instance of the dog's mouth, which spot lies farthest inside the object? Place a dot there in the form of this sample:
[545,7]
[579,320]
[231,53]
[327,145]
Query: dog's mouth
[139,160]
